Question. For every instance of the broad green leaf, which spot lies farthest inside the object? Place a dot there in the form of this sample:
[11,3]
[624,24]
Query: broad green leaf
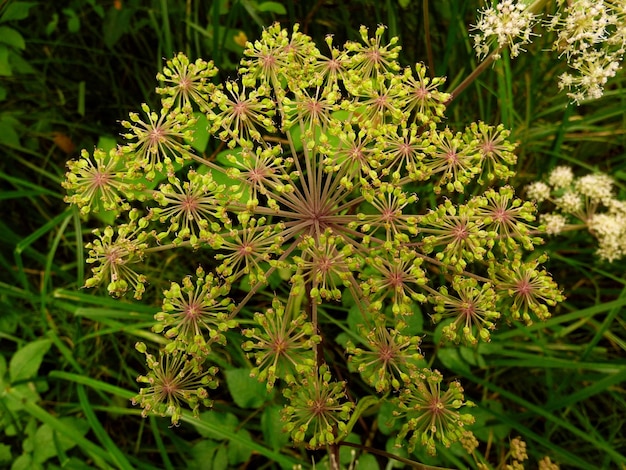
[272,426]
[5,453]
[220,462]
[451,359]
[247,392]
[200,134]
[273,7]
[238,452]
[218,419]
[26,361]
[106,143]
[25,462]
[16,11]
[45,442]
[202,453]
[5,67]
[73,22]
[12,37]
[8,134]
[387,422]
[484,427]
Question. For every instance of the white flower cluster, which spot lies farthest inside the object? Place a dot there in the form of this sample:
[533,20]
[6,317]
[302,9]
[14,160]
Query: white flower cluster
[592,36]
[585,202]
[508,23]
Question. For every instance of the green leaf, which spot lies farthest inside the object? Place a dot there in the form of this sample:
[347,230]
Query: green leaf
[200,134]
[17,11]
[387,422]
[52,25]
[12,37]
[238,452]
[3,93]
[106,143]
[452,360]
[363,405]
[273,7]
[5,453]
[221,459]
[247,392]
[73,22]
[203,452]
[45,442]
[25,462]
[5,67]
[271,426]
[26,361]
[404,3]
[8,134]
[217,419]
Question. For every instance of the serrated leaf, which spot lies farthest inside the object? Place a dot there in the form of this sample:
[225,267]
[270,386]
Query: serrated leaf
[12,37]
[247,392]
[26,361]
[16,11]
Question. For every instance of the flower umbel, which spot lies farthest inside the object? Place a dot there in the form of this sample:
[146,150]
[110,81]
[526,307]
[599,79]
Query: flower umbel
[333,191]
[174,379]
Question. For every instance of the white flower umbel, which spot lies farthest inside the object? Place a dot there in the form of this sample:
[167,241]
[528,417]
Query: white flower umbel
[611,233]
[507,24]
[538,191]
[598,188]
[561,177]
[553,223]
[591,34]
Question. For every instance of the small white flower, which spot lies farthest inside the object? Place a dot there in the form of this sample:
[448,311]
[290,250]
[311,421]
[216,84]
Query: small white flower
[538,191]
[509,23]
[570,202]
[598,188]
[611,233]
[561,177]
[554,223]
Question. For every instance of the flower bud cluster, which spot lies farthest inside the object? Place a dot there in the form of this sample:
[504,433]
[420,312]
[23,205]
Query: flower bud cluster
[333,185]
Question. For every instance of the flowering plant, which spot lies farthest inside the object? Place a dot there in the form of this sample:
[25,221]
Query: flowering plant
[337,187]
[587,202]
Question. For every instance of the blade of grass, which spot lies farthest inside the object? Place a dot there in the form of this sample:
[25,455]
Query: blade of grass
[156,433]
[28,241]
[565,318]
[541,412]
[116,454]
[94,451]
